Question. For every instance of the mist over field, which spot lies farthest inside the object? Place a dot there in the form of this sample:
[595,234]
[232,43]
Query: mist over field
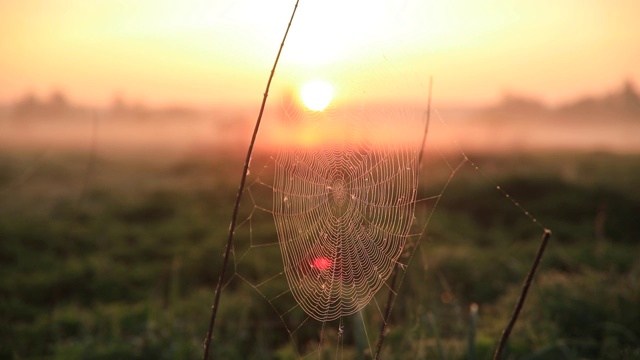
[609,122]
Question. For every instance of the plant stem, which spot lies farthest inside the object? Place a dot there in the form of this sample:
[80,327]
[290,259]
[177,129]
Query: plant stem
[387,313]
[525,289]
[391,297]
[243,179]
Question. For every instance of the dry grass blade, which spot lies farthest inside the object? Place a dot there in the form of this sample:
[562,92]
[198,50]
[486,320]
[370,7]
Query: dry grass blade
[525,289]
[243,179]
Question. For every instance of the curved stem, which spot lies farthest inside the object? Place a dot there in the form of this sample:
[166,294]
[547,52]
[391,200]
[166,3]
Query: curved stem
[243,179]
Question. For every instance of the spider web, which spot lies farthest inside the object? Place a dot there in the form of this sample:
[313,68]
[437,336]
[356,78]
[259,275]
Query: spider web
[329,216]
[343,211]
[336,202]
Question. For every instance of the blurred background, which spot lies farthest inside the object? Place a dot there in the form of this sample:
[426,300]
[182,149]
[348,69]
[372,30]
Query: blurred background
[123,126]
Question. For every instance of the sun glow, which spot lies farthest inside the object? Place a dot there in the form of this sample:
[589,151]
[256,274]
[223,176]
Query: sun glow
[316,95]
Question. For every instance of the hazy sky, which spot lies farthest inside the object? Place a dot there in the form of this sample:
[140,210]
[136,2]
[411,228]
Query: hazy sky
[220,51]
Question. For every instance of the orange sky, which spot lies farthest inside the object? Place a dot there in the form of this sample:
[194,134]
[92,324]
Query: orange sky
[214,52]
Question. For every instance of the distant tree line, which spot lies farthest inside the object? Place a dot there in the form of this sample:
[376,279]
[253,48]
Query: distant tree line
[621,103]
[624,102]
[57,105]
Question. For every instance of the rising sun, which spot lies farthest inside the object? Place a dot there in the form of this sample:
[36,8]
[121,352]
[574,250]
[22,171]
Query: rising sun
[316,95]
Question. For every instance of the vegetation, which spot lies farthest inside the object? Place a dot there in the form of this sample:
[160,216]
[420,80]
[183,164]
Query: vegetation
[118,259]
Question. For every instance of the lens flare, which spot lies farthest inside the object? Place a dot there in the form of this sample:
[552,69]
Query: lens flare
[321,263]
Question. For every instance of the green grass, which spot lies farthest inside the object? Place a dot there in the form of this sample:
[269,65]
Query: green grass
[121,263]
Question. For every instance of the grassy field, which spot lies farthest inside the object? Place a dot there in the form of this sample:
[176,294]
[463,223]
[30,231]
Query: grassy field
[117,258]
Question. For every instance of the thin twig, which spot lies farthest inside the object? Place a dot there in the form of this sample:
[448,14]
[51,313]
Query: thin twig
[392,291]
[426,125]
[387,313]
[243,179]
[525,288]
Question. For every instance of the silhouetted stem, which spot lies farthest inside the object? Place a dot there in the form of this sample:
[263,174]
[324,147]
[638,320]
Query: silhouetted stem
[387,312]
[243,179]
[394,277]
[525,289]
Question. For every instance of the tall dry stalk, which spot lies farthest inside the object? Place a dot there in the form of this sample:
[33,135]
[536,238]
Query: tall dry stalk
[243,179]
[523,295]
[392,287]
